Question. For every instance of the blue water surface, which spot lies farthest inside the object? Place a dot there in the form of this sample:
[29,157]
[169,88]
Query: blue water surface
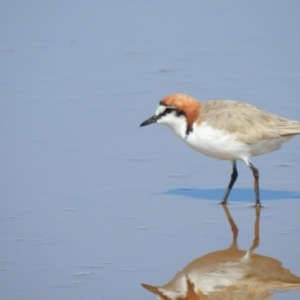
[236,195]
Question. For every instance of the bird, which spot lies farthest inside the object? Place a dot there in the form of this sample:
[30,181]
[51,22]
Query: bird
[226,130]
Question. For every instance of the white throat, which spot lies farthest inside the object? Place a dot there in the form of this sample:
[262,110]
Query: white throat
[176,123]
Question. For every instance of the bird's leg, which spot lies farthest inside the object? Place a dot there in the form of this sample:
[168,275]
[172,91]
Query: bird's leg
[234,176]
[256,183]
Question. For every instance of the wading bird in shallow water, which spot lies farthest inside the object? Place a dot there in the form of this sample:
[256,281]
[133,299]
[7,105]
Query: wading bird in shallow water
[225,129]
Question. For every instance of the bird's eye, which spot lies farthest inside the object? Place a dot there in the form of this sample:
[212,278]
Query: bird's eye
[168,110]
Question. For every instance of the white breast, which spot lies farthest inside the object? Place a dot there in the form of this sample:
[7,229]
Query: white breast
[217,143]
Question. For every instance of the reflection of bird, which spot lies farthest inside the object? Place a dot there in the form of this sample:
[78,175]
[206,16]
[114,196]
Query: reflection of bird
[229,274]
[225,129]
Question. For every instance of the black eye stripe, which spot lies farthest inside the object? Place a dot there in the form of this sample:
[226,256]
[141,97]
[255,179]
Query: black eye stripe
[169,110]
[165,112]
[179,113]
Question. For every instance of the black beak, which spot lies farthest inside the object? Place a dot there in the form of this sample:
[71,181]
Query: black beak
[149,121]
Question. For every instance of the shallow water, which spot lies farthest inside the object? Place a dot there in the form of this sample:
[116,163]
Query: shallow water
[93,205]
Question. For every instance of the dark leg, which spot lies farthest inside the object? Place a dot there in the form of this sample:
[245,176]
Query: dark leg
[256,184]
[234,176]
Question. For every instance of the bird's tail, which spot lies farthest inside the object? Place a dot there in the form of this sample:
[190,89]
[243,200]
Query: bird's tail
[289,128]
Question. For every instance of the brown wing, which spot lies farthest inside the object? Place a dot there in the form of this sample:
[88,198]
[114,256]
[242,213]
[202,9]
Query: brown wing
[248,122]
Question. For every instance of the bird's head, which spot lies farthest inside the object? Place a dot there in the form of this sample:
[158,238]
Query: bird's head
[178,112]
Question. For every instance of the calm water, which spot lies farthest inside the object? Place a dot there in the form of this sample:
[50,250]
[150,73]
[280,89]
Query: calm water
[91,204]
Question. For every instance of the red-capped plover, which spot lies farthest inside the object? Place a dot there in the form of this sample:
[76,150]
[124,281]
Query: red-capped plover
[225,129]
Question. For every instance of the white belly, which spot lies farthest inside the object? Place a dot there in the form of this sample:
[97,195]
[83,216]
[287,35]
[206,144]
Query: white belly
[219,144]
[216,143]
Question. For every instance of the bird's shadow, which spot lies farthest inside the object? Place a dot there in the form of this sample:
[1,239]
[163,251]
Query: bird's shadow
[237,194]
